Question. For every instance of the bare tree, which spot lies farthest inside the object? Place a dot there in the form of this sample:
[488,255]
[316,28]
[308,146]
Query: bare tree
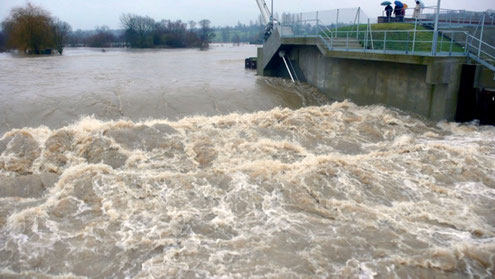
[3,42]
[102,38]
[205,33]
[192,38]
[138,30]
[192,25]
[176,33]
[236,40]
[225,34]
[61,31]
[144,32]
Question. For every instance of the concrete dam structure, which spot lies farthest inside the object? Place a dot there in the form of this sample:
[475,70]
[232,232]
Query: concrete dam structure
[438,86]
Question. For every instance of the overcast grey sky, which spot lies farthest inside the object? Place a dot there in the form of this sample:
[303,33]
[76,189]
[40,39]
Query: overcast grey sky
[86,14]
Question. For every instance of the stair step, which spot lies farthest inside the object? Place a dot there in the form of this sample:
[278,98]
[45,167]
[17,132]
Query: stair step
[351,43]
[343,40]
[349,46]
[344,43]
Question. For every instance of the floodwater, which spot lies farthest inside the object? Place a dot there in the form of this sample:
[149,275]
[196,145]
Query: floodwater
[132,84]
[203,170]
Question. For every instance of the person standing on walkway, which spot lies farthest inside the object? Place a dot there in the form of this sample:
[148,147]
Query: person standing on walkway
[417,10]
[388,11]
[398,12]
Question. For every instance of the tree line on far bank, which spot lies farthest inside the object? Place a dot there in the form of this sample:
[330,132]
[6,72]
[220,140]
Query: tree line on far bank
[31,29]
[169,34]
[144,32]
[241,33]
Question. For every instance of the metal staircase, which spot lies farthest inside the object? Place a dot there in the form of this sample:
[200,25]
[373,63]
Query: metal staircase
[342,43]
[475,49]
[480,52]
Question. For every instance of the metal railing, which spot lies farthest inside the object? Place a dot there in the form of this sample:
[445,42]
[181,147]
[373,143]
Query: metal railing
[327,17]
[480,51]
[450,43]
[459,17]
[351,35]
[420,42]
[310,23]
[448,17]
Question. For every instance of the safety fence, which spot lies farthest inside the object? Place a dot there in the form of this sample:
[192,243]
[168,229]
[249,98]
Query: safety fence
[420,42]
[351,30]
[447,17]
[480,51]
[310,23]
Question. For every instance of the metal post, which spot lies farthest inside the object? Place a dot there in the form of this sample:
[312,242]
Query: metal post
[359,21]
[337,23]
[474,34]
[371,35]
[414,35]
[366,39]
[466,50]
[435,32]
[271,18]
[317,22]
[451,42]
[441,43]
[347,41]
[384,41]
[481,35]
[293,70]
[407,43]
[288,69]
[331,41]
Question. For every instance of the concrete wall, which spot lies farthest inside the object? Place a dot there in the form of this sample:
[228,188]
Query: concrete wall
[485,79]
[427,87]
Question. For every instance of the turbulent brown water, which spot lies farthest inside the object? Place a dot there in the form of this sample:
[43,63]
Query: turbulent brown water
[335,190]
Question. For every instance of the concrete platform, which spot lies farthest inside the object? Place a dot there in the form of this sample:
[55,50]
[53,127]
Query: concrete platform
[422,84]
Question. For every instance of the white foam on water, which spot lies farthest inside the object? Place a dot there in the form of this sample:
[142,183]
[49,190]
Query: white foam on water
[331,191]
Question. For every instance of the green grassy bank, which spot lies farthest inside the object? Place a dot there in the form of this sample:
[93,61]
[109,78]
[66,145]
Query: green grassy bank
[400,37]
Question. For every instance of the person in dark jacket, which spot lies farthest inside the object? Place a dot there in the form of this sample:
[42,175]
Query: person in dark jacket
[398,12]
[388,11]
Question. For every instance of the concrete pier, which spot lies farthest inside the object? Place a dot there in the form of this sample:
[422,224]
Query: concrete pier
[425,85]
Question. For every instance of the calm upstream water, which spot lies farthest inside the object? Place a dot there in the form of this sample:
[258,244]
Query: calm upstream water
[181,164]
[132,84]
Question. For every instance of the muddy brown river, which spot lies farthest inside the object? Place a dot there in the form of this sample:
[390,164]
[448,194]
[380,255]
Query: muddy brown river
[181,164]
[132,84]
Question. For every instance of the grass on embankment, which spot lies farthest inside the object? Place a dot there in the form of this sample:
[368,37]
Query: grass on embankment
[400,40]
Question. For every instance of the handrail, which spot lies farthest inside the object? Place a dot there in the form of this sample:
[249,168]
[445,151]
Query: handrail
[448,16]
[325,42]
[452,43]
[330,37]
[326,31]
[482,62]
[482,42]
